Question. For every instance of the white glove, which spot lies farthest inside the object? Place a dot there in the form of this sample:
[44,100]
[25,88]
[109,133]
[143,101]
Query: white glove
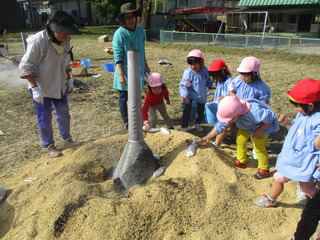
[37,94]
[70,85]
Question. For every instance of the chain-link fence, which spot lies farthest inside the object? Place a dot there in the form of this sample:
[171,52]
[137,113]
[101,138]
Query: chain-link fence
[294,44]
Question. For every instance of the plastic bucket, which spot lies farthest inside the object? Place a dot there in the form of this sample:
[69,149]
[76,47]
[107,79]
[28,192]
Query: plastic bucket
[85,62]
[109,67]
[211,113]
[210,109]
[193,110]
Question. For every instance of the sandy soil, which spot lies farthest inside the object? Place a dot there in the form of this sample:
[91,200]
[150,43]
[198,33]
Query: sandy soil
[202,197]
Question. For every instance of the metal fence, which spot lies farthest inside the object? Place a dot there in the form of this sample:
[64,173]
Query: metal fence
[294,44]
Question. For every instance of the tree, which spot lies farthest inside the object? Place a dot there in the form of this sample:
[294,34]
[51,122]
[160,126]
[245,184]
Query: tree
[146,5]
[107,7]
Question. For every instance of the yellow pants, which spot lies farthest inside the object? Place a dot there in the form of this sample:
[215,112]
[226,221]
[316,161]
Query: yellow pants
[259,145]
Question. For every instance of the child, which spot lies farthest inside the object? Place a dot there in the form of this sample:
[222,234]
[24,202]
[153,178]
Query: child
[249,83]
[311,213]
[220,73]
[300,152]
[252,117]
[154,101]
[193,87]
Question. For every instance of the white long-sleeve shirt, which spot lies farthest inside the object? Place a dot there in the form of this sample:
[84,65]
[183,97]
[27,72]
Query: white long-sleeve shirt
[43,62]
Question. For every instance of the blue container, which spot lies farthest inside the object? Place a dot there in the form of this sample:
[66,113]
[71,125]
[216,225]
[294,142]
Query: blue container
[210,109]
[109,67]
[193,110]
[85,62]
[211,113]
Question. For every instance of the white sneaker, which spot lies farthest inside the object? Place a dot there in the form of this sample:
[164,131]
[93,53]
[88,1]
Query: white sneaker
[184,130]
[198,127]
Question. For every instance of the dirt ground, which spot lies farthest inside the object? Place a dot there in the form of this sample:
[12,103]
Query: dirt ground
[72,197]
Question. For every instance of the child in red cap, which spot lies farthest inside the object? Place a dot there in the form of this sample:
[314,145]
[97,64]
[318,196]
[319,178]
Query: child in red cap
[301,149]
[221,75]
[154,101]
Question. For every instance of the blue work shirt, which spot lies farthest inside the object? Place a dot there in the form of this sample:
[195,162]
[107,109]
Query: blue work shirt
[258,114]
[298,157]
[194,84]
[222,89]
[257,90]
[124,40]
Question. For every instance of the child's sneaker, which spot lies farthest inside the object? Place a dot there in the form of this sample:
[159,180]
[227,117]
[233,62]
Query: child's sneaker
[265,202]
[301,196]
[316,236]
[198,127]
[262,174]
[184,130]
[239,164]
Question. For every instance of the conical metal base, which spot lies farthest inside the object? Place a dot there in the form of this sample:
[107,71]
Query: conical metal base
[136,165]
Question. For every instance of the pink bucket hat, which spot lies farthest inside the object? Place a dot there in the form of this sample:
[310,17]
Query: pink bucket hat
[155,80]
[231,106]
[249,64]
[195,53]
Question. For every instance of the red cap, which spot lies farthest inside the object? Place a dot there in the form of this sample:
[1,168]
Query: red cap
[218,65]
[306,91]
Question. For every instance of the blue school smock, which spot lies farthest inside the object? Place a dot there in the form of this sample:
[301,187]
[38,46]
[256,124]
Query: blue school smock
[123,41]
[258,114]
[222,89]
[298,157]
[194,84]
[257,90]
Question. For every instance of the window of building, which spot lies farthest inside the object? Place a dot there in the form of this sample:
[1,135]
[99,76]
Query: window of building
[275,18]
[293,18]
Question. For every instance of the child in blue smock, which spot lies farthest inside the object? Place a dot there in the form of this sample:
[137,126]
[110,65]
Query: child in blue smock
[300,153]
[252,117]
[193,87]
[249,83]
[221,75]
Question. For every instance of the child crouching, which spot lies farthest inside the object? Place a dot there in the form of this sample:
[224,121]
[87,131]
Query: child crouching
[154,102]
[252,117]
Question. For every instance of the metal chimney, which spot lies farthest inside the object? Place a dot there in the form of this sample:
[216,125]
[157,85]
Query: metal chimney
[137,163]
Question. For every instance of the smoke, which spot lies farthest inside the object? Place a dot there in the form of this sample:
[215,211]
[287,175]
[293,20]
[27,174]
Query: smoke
[10,75]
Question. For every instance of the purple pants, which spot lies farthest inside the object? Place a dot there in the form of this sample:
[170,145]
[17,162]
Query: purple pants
[44,115]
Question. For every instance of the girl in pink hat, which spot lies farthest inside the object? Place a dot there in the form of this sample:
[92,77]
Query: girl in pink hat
[193,87]
[154,102]
[221,75]
[300,152]
[249,83]
[251,116]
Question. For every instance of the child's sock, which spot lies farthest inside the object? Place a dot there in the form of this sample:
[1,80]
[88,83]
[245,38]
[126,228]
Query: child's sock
[271,199]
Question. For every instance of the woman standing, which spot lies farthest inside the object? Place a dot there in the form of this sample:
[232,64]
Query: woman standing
[46,66]
[128,36]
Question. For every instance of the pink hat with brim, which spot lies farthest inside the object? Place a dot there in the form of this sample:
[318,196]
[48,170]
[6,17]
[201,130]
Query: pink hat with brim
[231,106]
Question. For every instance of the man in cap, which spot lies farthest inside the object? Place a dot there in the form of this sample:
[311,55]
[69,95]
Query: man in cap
[46,66]
[128,36]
